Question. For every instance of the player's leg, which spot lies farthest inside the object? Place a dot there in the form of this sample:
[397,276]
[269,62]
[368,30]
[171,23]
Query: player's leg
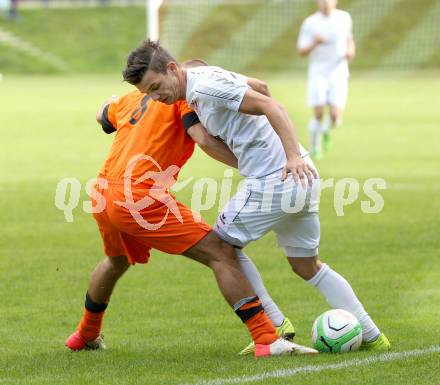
[300,236]
[254,278]
[101,284]
[239,224]
[337,291]
[222,259]
[327,125]
[185,235]
[337,99]
[335,288]
[331,121]
[104,277]
[335,116]
[316,98]
[283,326]
[315,131]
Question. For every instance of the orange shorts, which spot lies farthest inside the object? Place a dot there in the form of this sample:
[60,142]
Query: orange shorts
[133,231]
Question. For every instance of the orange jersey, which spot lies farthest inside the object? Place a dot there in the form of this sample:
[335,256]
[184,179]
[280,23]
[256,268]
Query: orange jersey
[154,135]
[146,127]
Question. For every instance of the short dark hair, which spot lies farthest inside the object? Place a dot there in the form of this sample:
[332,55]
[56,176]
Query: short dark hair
[149,55]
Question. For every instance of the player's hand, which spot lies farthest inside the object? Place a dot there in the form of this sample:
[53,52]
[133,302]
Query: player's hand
[108,101]
[111,99]
[319,39]
[351,49]
[300,171]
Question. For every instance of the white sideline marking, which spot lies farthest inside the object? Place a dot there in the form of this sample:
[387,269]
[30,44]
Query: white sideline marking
[319,368]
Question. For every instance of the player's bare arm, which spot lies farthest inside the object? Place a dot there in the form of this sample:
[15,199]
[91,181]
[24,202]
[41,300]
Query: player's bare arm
[304,51]
[351,49]
[259,86]
[255,103]
[213,147]
[100,112]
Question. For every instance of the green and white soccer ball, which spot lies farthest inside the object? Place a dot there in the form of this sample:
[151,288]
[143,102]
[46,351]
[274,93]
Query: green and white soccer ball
[336,331]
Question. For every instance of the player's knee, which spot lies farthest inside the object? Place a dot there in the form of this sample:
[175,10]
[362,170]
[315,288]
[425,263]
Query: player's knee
[306,268]
[221,254]
[299,270]
[319,113]
[213,252]
[335,114]
[118,265]
[224,253]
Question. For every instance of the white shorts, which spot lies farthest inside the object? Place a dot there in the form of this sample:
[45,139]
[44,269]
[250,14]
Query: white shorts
[332,90]
[266,204]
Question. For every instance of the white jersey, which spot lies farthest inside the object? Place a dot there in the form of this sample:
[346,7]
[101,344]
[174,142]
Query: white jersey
[216,95]
[329,58]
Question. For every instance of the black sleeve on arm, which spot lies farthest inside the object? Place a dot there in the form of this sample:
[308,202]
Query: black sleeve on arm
[189,120]
[105,123]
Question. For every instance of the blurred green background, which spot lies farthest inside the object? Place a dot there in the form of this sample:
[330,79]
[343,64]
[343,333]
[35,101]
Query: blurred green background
[86,36]
[167,323]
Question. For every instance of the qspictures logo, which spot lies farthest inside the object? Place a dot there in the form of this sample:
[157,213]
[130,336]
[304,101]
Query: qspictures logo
[155,188]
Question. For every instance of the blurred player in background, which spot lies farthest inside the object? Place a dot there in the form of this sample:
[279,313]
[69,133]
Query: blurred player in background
[153,141]
[260,134]
[327,38]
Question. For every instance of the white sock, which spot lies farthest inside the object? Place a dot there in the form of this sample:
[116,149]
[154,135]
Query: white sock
[315,128]
[340,295]
[326,124]
[253,276]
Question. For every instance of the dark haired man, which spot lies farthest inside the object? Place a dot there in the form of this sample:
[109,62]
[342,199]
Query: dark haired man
[145,131]
[260,134]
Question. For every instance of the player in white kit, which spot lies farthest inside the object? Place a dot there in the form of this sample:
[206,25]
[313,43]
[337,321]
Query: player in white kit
[260,134]
[327,38]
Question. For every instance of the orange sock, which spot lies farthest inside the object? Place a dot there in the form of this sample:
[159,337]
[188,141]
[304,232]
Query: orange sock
[258,323]
[90,325]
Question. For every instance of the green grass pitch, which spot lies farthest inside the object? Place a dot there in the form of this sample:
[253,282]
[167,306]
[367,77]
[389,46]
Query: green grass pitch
[167,323]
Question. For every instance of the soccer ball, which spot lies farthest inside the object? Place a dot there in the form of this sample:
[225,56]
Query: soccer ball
[336,331]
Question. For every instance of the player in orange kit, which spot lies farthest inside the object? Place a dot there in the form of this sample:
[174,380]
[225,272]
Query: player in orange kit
[135,212]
